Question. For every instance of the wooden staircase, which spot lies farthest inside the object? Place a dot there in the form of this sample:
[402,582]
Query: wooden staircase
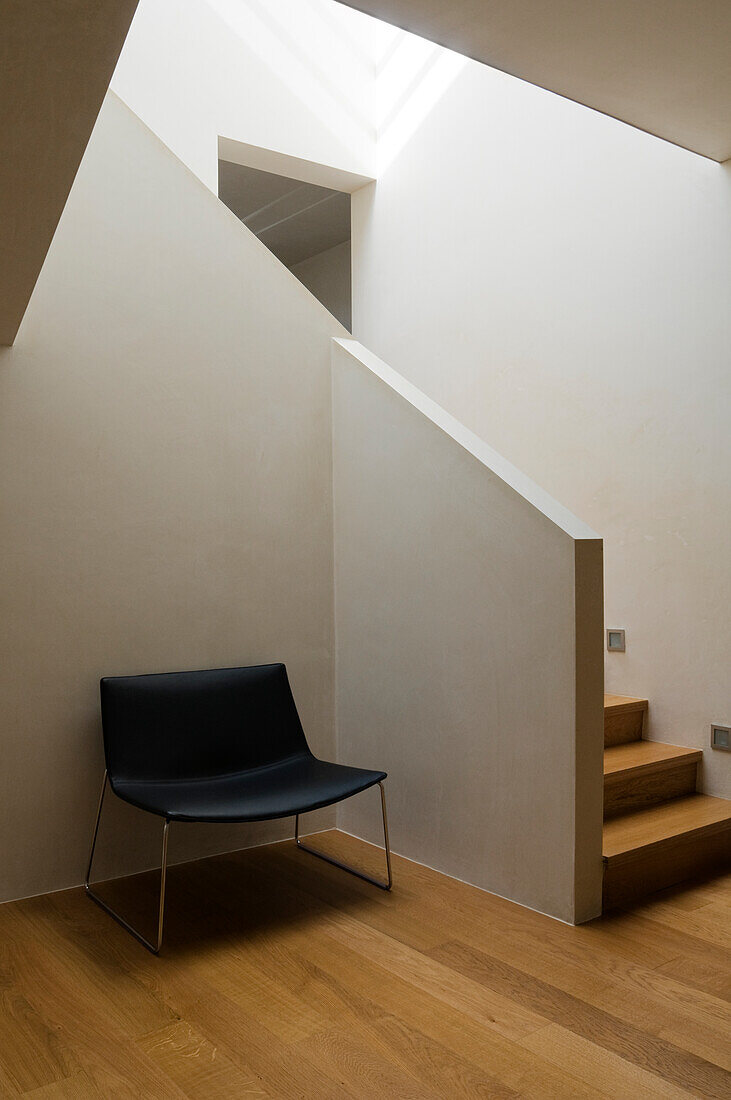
[657,830]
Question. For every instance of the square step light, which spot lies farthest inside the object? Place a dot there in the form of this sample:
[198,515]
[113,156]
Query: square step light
[615,641]
[721,738]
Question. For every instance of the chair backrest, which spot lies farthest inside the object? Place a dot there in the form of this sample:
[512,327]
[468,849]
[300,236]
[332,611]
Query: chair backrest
[196,725]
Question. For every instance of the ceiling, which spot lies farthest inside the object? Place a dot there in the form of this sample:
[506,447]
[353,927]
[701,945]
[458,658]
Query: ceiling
[56,60]
[295,220]
[663,66]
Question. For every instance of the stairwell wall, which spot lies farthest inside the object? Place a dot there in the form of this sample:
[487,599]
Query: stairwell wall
[468,611]
[560,282]
[165,473]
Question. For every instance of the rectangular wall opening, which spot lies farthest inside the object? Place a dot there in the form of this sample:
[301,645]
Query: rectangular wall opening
[305,225]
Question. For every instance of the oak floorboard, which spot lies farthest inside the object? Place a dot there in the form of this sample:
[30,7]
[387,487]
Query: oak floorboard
[352,1059]
[705,922]
[597,1067]
[80,1029]
[428,1019]
[691,895]
[78,1087]
[698,963]
[424,918]
[197,1066]
[281,977]
[635,1044]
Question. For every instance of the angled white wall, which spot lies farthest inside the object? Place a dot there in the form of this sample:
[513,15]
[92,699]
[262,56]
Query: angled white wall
[560,282]
[295,76]
[468,611]
[165,472]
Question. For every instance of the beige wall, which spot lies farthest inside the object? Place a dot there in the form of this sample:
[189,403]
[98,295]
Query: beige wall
[294,76]
[165,475]
[469,649]
[569,302]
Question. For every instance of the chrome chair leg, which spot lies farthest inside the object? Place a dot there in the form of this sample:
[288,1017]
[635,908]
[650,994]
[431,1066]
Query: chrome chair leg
[344,866]
[153,947]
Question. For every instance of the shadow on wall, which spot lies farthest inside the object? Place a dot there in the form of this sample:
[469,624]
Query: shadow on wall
[305,225]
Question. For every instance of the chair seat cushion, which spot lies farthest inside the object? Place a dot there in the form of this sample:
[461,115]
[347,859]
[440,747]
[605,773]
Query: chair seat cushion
[295,785]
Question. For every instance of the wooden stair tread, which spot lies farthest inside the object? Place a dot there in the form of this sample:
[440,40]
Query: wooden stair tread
[623,702]
[628,835]
[639,756]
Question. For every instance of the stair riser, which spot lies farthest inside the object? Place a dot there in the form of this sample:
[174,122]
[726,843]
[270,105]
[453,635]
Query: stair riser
[647,788]
[623,726]
[679,860]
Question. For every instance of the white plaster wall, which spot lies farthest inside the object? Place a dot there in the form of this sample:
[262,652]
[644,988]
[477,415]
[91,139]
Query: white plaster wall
[327,276]
[561,283]
[295,76]
[469,650]
[165,473]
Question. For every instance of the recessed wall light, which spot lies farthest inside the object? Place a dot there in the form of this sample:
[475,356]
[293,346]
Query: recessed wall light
[615,641]
[721,737]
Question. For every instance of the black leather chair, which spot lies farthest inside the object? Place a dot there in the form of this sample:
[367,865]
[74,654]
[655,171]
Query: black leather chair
[218,745]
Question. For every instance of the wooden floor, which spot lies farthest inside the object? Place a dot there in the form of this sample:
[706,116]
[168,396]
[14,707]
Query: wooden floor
[283,977]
